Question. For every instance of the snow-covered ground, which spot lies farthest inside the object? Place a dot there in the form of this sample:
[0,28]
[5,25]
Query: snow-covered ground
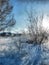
[13,52]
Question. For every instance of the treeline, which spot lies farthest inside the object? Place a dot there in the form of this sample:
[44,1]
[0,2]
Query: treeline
[7,34]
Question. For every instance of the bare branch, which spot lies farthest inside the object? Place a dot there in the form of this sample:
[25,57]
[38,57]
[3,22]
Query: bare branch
[37,35]
[5,11]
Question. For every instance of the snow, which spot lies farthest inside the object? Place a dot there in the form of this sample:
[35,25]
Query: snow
[12,53]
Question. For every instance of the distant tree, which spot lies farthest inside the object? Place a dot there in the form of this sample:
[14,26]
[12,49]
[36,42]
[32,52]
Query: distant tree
[5,11]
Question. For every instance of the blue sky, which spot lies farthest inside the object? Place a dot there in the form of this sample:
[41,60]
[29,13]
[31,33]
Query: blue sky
[20,14]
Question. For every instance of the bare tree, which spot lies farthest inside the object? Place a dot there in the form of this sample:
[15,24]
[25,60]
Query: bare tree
[37,35]
[5,11]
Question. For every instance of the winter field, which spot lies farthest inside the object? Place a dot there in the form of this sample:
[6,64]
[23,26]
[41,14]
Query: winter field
[14,52]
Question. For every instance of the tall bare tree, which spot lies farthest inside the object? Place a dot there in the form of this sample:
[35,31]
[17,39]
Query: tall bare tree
[5,11]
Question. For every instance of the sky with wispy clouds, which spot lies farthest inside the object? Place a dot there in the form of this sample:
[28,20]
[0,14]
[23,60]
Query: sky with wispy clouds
[41,6]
